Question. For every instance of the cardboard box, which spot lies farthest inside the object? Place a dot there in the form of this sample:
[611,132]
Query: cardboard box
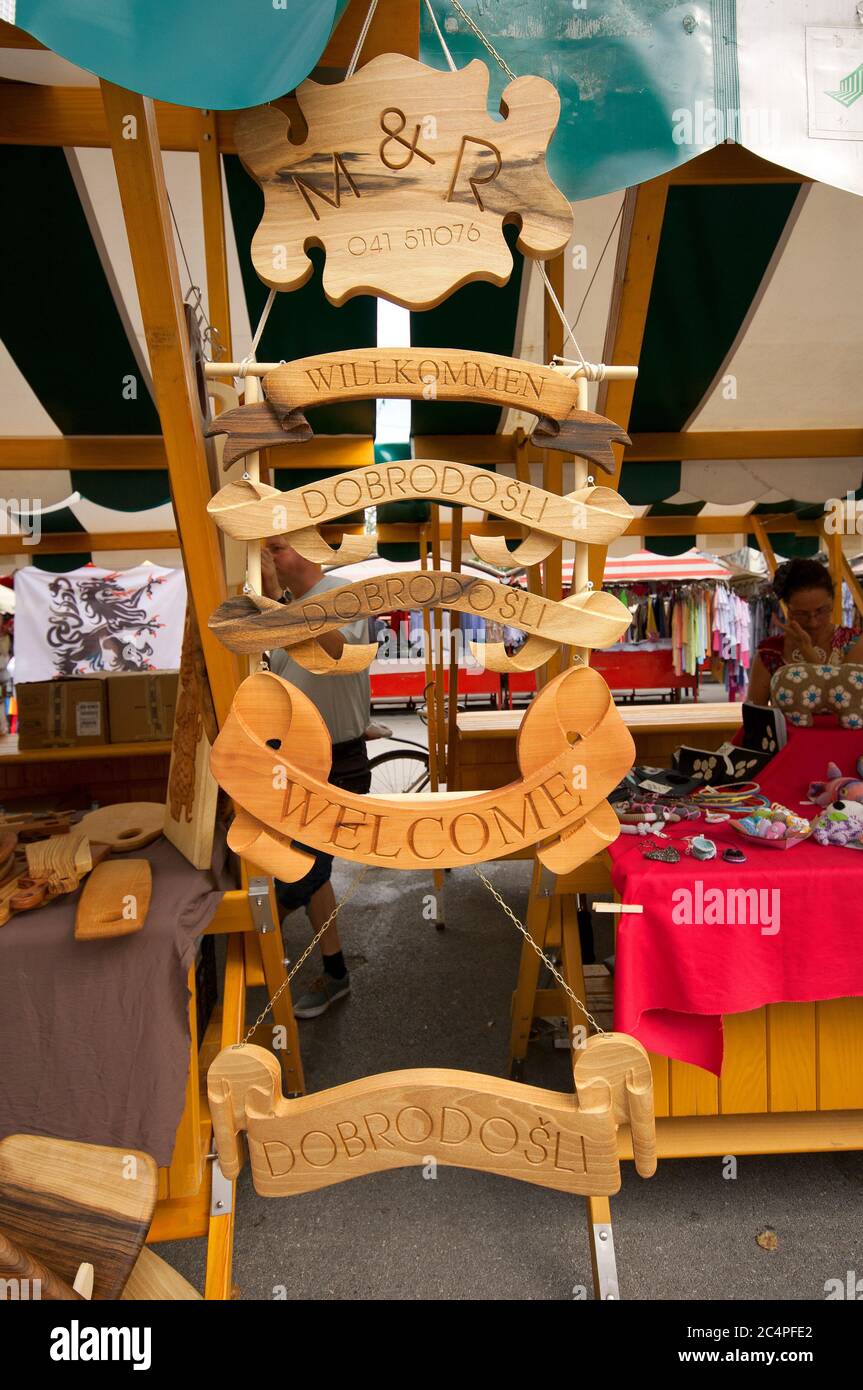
[66,713]
[141,705]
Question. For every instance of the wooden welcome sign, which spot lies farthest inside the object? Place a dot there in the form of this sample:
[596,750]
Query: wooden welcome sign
[405,180]
[251,624]
[446,374]
[461,1118]
[273,757]
[250,510]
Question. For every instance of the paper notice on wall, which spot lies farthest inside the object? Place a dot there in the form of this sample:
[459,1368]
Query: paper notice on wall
[95,620]
[834,80]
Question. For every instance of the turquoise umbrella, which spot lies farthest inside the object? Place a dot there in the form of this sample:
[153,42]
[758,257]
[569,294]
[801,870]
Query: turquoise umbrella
[206,53]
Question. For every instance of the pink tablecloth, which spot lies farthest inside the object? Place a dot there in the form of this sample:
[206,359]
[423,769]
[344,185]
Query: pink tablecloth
[684,963]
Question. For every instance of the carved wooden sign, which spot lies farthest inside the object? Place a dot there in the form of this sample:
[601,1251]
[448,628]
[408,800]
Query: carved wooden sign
[405,181]
[251,510]
[398,1118]
[447,374]
[251,625]
[273,756]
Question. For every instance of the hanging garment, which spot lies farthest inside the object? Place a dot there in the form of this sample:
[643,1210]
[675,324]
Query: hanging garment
[90,621]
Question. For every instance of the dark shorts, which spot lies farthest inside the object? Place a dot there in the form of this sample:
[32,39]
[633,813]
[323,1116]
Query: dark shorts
[351,772]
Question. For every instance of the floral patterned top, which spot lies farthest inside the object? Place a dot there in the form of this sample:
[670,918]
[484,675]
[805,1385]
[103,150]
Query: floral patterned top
[772,653]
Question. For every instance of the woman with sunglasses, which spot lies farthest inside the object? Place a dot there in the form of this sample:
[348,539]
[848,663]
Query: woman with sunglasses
[806,589]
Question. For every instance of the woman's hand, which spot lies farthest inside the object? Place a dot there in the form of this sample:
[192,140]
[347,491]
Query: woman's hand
[802,642]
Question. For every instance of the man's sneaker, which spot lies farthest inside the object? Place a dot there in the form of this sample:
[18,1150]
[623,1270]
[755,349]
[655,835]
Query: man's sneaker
[324,992]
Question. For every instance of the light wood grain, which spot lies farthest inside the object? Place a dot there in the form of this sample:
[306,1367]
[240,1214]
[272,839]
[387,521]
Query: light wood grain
[115,900]
[355,656]
[309,543]
[244,624]
[69,1203]
[404,179]
[129,825]
[437,373]
[402,1118]
[54,871]
[193,794]
[18,1267]
[152,1278]
[273,757]
[250,510]
[641,719]
[616,1066]
[61,861]
[531,551]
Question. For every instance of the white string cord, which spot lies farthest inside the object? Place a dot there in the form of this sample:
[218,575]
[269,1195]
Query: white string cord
[441,39]
[262,323]
[559,308]
[355,57]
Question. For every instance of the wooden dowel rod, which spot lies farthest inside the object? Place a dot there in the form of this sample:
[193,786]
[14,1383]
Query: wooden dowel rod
[437,618]
[431,703]
[454,634]
[252,466]
[610,374]
[262,368]
[581,562]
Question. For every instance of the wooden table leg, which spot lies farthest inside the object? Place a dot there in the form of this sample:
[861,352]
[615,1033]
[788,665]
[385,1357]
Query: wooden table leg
[273,958]
[528,974]
[572,968]
[220,1229]
[603,1263]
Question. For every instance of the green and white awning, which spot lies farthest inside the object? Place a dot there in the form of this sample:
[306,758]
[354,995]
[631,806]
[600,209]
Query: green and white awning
[754,321]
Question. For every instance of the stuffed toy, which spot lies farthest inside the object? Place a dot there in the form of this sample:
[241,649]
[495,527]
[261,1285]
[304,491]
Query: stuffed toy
[802,690]
[840,824]
[837,787]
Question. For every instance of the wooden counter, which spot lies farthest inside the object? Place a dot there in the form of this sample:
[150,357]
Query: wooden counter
[73,778]
[486,738]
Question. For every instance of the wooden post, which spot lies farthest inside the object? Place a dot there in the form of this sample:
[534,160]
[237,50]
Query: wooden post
[252,466]
[581,559]
[853,583]
[140,175]
[454,631]
[552,465]
[833,542]
[641,227]
[215,251]
[437,620]
[764,543]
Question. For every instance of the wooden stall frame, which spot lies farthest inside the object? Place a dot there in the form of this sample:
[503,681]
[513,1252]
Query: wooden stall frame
[76,116]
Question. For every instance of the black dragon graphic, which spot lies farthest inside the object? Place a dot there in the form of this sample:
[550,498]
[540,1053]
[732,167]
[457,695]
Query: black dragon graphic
[98,625]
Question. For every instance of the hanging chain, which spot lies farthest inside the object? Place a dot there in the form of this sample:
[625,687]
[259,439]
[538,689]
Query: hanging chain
[306,953]
[543,957]
[487,44]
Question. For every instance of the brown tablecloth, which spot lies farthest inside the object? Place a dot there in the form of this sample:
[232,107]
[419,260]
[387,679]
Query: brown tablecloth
[94,1035]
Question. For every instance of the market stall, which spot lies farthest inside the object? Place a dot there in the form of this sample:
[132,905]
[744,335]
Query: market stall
[533,432]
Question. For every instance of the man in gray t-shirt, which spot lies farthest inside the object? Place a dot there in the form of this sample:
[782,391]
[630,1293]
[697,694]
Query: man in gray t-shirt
[345,705]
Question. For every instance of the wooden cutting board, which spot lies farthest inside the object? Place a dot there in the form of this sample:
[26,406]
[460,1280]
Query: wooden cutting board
[43,876]
[61,861]
[190,815]
[115,900]
[129,825]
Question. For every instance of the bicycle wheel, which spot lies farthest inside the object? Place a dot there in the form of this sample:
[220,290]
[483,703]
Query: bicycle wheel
[399,770]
